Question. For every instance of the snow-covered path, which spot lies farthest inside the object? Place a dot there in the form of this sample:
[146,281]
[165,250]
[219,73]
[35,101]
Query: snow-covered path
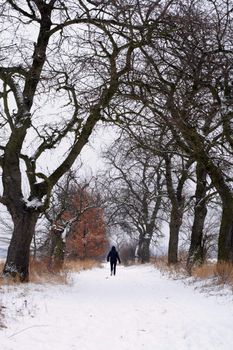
[138,309]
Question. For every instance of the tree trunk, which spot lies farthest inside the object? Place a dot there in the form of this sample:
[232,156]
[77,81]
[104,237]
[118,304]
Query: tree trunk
[219,180]
[57,249]
[175,223]
[225,242]
[196,252]
[144,249]
[17,262]
[177,203]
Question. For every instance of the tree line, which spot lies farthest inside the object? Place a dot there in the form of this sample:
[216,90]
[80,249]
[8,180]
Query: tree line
[159,70]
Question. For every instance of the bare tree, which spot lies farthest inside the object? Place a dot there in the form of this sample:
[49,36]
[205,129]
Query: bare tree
[187,83]
[61,65]
[71,200]
[139,184]
[199,102]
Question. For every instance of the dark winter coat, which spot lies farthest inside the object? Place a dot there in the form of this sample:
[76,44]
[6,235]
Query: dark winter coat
[113,256]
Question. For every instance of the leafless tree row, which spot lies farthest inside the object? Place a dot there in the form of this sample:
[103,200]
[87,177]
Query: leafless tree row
[61,64]
[177,103]
[161,70]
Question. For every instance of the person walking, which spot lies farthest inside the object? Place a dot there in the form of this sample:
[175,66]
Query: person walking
[113,257]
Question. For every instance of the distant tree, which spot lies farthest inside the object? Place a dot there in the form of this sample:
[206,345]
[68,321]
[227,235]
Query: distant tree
[136,185]
[76,225]
[153,137]
[127,252]
[88,236]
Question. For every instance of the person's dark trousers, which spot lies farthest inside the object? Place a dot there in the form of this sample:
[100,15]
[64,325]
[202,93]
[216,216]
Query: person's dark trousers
[113,267]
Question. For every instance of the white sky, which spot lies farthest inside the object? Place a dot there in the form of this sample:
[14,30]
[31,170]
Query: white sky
[99,142]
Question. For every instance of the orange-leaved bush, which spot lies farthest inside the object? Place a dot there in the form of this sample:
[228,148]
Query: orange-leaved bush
[88,237]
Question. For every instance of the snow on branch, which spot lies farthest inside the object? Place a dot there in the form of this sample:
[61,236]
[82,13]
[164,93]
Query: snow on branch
[34,203]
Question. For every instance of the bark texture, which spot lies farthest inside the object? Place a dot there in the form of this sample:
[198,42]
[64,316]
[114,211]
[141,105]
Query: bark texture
[144,249]
[17,263]
[174,225]
[196,250]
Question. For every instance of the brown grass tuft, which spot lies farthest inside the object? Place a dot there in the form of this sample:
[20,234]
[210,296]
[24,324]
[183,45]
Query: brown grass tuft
[176,271]
[224,272]
[219,273]
[39,271]
[3,281]
[79,265]
[160,261]
[204,271]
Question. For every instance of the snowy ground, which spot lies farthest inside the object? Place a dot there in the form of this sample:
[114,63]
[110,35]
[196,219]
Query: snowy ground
[138,309]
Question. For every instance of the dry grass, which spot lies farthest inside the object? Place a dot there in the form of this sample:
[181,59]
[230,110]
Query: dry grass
[79,265]
[2,280]
[221,271]
[40,272]
[217,273]
[160,262]
[224,273]
[176,271]
[204,271]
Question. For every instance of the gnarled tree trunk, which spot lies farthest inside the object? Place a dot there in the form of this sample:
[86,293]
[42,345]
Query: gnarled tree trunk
[17,262]
[174,225]
[145,237]
[225,242]
[177,203]
[196,253]
[57,249]
[220,181]
[144,249]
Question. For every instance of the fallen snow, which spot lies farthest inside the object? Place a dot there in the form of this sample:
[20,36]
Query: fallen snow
[138,309]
